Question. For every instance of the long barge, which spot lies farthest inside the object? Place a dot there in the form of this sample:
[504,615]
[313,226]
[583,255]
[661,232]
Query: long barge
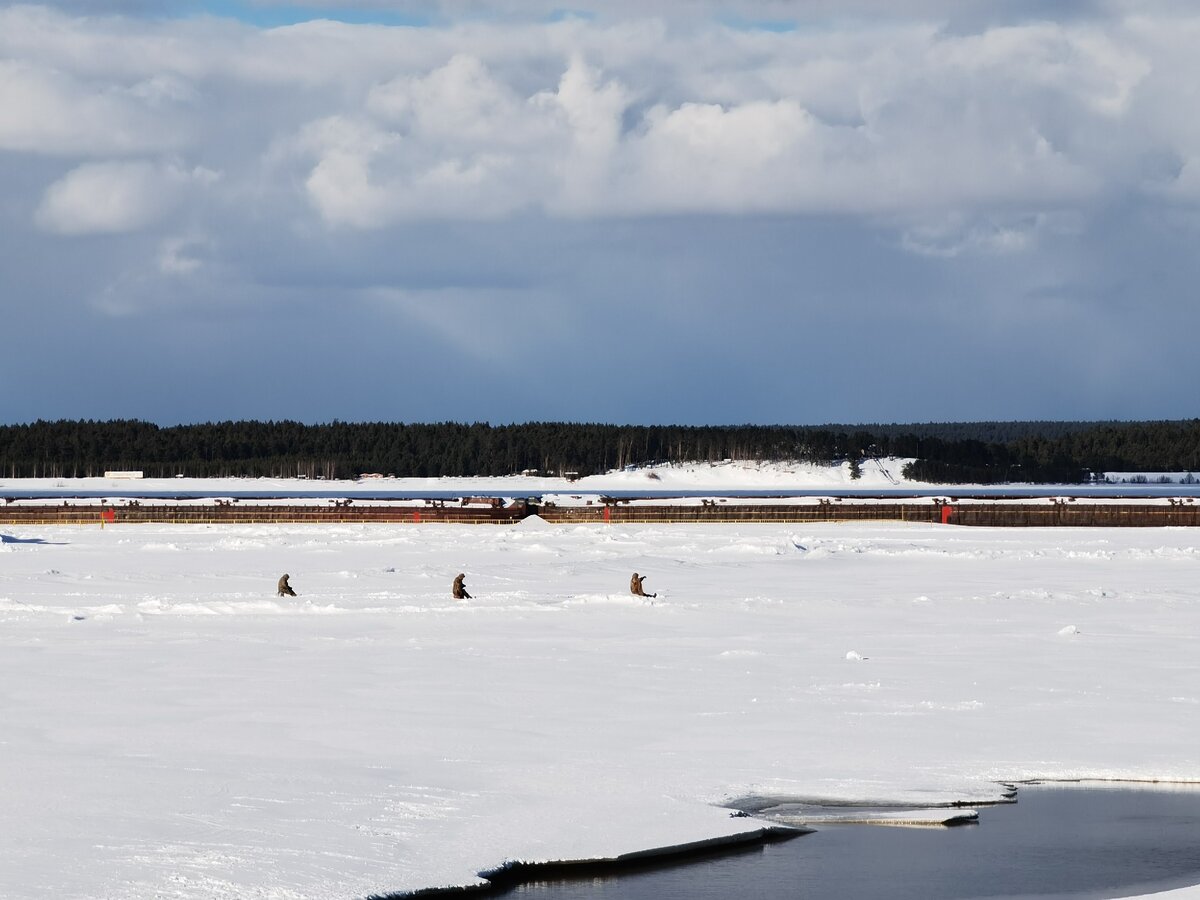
[604,510]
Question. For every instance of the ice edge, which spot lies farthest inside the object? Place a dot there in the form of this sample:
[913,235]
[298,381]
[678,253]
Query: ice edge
[513,872]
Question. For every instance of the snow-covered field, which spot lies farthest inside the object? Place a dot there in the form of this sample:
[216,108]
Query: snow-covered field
[170,728]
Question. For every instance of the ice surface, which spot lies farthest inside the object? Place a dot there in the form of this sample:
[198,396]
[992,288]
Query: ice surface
[801,814]
[195,736]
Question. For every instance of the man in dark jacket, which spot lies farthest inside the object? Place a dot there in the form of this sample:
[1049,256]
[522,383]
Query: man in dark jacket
[459,590]
[284,588]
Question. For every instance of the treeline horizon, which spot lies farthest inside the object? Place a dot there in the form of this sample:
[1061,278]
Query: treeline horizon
[948,452]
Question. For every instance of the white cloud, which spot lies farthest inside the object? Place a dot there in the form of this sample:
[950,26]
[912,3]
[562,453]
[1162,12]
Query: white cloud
[755,156]
[459,102]
[367,126]
[459,143]
[179,256]
[592,111]
[992,236]
[340,185]
[46,111]
[880,121]
[116,197]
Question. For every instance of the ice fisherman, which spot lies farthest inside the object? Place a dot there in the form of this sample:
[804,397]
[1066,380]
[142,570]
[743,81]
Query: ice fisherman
[284,588]
[460,590]
[635,586]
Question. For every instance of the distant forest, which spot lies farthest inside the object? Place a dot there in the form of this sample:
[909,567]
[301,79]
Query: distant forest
[949,453]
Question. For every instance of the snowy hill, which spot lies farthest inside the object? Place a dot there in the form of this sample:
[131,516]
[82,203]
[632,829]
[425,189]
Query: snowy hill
[729,475]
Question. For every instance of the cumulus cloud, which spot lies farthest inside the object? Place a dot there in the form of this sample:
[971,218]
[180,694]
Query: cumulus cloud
[116,197]
[956,141]
[936,123]
[43,110]
[370,125]
[459,102]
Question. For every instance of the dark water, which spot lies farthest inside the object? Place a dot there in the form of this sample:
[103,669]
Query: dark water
[1054,843]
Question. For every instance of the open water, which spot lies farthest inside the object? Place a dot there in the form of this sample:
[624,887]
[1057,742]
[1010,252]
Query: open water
[1055,842]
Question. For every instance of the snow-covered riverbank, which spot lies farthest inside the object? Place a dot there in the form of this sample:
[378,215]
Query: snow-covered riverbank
[172,729]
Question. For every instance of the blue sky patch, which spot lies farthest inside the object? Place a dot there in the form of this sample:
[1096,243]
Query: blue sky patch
[272,16]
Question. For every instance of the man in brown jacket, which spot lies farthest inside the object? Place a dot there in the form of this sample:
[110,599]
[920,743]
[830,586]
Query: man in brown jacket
[635,586]
[284,588]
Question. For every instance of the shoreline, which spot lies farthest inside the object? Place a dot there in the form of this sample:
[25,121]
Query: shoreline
[516,872]
[879,815]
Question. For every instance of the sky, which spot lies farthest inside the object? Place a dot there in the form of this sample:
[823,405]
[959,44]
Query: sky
[753,211]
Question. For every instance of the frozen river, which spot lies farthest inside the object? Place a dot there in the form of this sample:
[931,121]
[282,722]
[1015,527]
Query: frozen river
[173,729]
